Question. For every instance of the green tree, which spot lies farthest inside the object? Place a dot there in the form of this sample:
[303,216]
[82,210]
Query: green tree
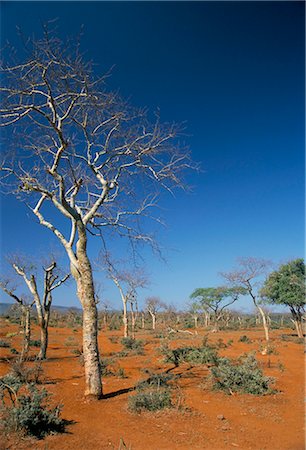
[286,286]
[217,299]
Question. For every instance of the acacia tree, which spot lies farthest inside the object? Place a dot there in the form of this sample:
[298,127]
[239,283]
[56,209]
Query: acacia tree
[85,156]
[217,299]
[25,306]
[153,305]
[51,280]
[286,286]
[247,276]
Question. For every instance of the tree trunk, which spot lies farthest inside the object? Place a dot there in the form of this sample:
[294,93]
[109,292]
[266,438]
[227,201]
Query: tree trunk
[264,322]
[133,321]
[195,322]
[143,321]
[299,328]
[86,294]
[43,342]
[153,321]
[26,322]
[125,321]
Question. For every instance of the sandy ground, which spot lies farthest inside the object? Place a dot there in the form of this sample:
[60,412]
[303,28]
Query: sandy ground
[273,422]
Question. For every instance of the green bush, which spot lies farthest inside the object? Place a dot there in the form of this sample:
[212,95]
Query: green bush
[242,376]
[105,367]
[30,411]
[32,415]
[35,343]
[4,344]
[245,339]
[191,355]
[155,380]
[150,400]
[133,345]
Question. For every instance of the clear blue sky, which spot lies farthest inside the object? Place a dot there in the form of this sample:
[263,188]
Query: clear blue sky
[234,71]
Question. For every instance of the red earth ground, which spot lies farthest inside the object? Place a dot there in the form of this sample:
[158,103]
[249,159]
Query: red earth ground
[272,422]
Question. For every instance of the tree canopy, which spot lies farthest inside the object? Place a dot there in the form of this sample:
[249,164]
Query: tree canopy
[286,286]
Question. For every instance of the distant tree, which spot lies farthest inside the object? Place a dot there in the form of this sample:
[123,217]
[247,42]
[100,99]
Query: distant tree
[217,299]
[248,276]
[127,282]
[83,154]
[52,279]
[25,304]
[195,309]
[153,305]
[286,286]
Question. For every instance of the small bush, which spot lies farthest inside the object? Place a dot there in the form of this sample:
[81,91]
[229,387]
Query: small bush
[245,339]
[4,344]
[9,335]
[157,380]
[32,415]
[150,400]
[191,355]
[114,339]
[35,343]
[14,351]
[244,376]
[105,367]
[133,344]
[121,373]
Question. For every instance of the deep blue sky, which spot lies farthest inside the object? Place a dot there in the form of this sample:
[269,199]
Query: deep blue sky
[234,71]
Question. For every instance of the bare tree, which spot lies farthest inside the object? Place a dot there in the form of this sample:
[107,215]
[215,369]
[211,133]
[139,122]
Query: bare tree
[248,275]
[153,305]
[194,309]
[51,281]
[127,282]
[25,305]
[86,155]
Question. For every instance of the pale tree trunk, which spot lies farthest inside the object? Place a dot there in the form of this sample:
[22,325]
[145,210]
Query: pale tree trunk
[282,321]
[207,319]
[239,321]
[125,320]
[26,324]
[265,326]
[43,321]
[299,328]
[133,321]
[86,294]
[153,320]
[195,321]
[142,321]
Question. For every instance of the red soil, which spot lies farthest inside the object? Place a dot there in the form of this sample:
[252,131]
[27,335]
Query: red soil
[272,422]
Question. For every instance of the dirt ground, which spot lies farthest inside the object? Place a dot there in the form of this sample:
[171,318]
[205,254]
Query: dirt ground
[272,422]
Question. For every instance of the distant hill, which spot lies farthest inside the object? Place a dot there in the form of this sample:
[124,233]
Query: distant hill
[4,308]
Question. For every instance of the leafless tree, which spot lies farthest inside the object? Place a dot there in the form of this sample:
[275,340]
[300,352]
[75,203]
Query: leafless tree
[248,275]
[84,155]
[127,282]
[25,305]
[52,279]
[153,305]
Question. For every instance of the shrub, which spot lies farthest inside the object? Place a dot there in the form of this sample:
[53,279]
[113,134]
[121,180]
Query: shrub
[105,369]
[155,380]
[114,339]
[191,355]
[244,376]
[150,400]
[14,351]
[245,339]
[4,344]
[31,414]
[35,343]
[9,335]
[26,374]
[133,344]
[121,373]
